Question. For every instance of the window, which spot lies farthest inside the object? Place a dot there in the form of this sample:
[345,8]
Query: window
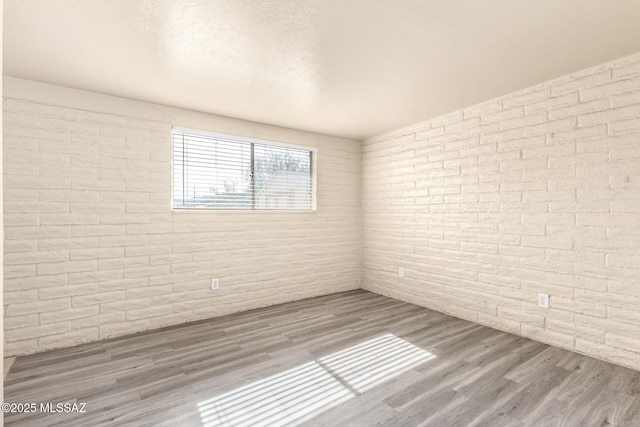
[216,171]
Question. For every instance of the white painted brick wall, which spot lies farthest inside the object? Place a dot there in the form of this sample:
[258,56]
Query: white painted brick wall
[537,191]
[93,249]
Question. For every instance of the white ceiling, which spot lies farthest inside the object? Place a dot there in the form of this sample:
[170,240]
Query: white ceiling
[353,68]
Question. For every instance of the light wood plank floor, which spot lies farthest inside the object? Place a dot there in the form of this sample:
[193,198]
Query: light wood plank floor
[349,359]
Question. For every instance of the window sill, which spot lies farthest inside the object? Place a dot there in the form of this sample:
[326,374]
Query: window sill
[250,211]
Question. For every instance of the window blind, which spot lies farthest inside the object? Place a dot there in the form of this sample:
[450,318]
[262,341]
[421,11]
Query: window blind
[216,171]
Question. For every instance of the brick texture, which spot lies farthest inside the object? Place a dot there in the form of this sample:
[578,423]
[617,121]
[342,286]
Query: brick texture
[94,250]
[537,191]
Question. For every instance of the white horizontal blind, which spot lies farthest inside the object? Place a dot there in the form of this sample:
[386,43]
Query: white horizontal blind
[213,171]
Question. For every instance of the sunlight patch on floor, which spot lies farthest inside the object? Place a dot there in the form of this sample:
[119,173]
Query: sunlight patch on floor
[373,362]
[298,394]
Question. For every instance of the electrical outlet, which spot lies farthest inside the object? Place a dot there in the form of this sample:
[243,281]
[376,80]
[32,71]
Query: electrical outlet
[543,300]
[215,284]
[401,271]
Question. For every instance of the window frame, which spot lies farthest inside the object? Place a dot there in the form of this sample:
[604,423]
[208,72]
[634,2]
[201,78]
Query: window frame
[313,153]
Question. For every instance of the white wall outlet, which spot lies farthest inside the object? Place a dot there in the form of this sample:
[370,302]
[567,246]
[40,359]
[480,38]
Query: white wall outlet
[215,284]
[401,271]
[543,300]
